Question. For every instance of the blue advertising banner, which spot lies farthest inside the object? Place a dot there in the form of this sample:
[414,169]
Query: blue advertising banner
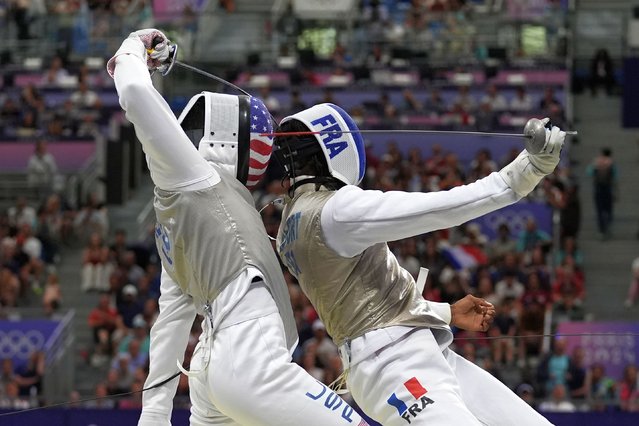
[19,339]
[615,352]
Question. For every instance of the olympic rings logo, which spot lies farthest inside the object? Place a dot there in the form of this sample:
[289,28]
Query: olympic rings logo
[516,220]
[20,344]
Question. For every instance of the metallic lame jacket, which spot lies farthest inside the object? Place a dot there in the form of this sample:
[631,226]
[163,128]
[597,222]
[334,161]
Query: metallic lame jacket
[206,238]
[351,295]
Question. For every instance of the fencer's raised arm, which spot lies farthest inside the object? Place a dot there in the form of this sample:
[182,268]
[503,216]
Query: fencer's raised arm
[354,219]
[155,124]
[169,338]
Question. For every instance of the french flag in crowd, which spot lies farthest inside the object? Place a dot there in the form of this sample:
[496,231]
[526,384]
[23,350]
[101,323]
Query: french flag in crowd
[464,256]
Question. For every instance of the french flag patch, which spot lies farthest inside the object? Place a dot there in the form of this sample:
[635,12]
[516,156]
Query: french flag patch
[415,388]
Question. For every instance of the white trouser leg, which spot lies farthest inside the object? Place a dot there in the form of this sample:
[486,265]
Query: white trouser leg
[251,380]
[489,399]
[409,382]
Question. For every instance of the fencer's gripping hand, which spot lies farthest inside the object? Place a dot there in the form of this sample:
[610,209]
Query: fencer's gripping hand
[472,313]
[548,158]
[150,45]
[527,170]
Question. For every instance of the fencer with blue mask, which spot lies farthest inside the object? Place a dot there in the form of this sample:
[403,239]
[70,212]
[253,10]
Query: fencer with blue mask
[216,257]
[393,343]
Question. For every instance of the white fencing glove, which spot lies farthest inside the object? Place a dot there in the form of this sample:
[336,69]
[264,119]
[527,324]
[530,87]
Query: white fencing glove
[527,170]
[150,45]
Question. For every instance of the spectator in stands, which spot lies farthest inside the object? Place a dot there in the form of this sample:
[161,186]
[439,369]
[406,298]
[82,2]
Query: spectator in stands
[603,172]
[21,16]
[481,166]
[56,75]
[131,360]
[568,282]
[91,218]
[12,399]
[102,320]
[522,102]
[31,98]
[128,305]
[122,365]
[327,97]
[101,401]
[42,169]
[600,389]
[504,243]
[95,265]
[486,119]
[84,98]
[9,116]
[558,402]
[112,383]
[464,100]
[410,104]
[435,103]
[570,214]
[602,72]
[129,267]
[140,332]
[633,290]
[9,282]
[119,246]
[551,107]
[532,237]
[28,125]
[271,102]
[21,213]
[407,256]
[576,383]
[569,249]
[309,363]
[52,295]
[378,57]
[32,269]
[324,347]
[57,127]
[134,401]
[296,103]
[7,374]
[567,308]
[502,330]
[548,99]
[535,293]
[509,287]
[496,100]
[29,378]
[628,389]
[531,328]
[553,369]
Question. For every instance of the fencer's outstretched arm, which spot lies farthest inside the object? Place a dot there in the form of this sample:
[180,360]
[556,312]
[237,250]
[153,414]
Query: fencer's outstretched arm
[169,338]
[354,219]
[173,160]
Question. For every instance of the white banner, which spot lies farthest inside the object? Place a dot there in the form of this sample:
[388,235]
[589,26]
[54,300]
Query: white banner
[322,9]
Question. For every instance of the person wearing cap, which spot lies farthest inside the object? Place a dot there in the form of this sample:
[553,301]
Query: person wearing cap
[333,239]
[216,258]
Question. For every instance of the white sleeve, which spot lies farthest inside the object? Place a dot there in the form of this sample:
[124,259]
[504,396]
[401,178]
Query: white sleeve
[354,219]
[169,338]
[173,160]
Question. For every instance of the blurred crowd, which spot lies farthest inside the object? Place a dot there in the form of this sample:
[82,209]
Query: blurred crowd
[26,113]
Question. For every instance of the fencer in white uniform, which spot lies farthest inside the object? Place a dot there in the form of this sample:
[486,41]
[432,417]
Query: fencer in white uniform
[393,343]
[216,258]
